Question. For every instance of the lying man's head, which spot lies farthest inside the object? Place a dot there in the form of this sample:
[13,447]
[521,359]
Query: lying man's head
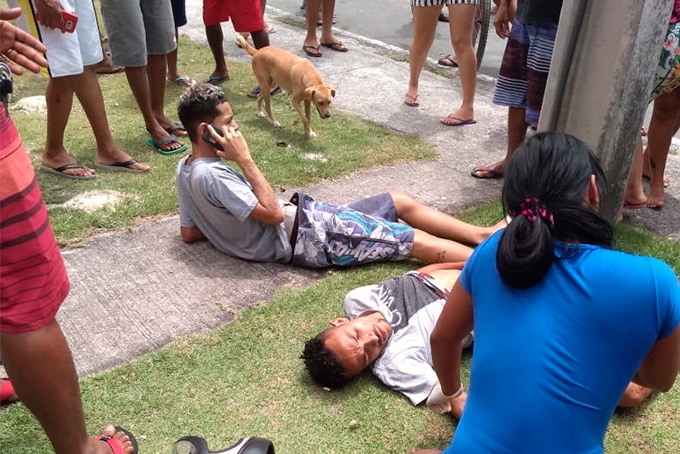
[338,354]
[200,104]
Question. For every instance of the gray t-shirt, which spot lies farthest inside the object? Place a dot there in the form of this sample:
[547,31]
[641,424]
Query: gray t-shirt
[218,200]
[412,306]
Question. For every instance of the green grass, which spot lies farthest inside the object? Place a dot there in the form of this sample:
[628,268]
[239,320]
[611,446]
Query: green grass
[345,144]
[246,379]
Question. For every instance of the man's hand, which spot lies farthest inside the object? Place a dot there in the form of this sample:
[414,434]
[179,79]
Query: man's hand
[18,48]
[439,402]
[458,405]
[49,12]
[504,17]
[234,145]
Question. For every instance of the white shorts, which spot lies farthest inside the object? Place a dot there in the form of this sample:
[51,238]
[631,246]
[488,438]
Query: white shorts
[68,53]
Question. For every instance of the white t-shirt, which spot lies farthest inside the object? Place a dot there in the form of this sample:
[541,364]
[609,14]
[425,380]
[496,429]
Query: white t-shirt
[412,304]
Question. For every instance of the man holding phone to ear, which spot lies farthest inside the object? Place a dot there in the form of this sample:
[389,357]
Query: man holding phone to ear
[69,30]
[241,216]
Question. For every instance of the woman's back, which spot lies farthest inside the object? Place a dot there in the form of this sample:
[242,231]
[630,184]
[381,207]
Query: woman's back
[550,362]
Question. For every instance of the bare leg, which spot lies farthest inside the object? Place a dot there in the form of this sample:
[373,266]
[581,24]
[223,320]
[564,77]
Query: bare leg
[327,13]
[215,39]
[42,371]
[427,451]
[59,97]
[664,124]
[517,132]
[260,39]
[173,70]
[139,85]
[311,13]
[437,223]
[461,20]
[635,194]
[424,29]
[433,249]
[90,96]
[156,73]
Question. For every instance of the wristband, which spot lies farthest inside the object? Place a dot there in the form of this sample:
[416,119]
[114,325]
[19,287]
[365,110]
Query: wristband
[456,394]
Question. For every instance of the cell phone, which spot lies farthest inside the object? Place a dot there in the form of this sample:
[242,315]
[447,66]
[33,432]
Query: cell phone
[70,20]
[208,138]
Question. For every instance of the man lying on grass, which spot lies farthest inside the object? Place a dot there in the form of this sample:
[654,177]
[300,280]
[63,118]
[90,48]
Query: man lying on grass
[388,330]
[241,216]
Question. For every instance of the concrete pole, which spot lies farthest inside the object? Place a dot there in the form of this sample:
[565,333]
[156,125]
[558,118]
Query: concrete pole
[606,54]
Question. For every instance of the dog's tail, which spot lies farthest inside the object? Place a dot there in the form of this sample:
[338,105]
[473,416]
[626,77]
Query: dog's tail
[245,45]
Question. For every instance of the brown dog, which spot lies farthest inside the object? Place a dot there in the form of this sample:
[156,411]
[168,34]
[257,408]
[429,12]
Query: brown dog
[296,75]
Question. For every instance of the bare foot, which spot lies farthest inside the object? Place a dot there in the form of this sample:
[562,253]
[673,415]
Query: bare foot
[61,159]
[109,432]
[489,171]
[171,127]
[459,117]
[117,157]
[167,145]
[656,199]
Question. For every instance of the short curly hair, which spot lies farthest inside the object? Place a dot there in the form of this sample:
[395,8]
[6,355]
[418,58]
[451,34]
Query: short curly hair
[323,365]
[199,104]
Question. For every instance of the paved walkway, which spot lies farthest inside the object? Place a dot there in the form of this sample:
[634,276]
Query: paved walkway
[135,292]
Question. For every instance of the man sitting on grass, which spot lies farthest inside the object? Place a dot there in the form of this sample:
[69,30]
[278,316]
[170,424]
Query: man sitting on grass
[388,330]
[241,216]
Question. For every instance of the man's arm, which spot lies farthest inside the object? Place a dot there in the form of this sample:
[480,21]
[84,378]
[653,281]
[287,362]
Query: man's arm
[660,368]
[455,322]
[268,210]
[191,234]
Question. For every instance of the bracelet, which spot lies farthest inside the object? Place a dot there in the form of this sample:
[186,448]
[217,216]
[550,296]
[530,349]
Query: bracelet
[456,394]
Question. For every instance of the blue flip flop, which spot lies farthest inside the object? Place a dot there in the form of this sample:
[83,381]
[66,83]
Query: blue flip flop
[256,92]
[216,80]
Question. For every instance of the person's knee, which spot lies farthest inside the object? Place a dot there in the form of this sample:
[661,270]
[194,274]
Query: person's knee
[402,199]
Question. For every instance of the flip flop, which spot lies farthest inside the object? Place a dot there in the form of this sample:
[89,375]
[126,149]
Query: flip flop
[634,206]
[312,51]
[158,145]
[121,167]
[412,101]
[217,80]
[60,171]
[447,61]
[183,81]
[7,394]
[256,92]
[199,445]
[490,173]
[177,130]
[459,121]
[336,46]
[115,445]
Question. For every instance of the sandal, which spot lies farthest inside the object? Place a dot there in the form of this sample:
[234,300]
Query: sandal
[312,51]
[412,101]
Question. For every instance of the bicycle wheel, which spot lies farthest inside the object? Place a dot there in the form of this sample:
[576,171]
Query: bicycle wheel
[480,31]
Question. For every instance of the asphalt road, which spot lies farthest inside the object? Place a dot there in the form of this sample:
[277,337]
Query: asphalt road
[390,21]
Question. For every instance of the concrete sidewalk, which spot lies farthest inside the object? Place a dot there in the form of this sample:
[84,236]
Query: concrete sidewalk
[133,292]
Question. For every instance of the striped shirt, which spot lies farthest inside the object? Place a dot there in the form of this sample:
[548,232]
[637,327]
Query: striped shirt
[33,279]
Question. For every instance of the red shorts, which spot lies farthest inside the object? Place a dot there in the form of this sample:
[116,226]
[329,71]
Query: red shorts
[33,279]
[245,15]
